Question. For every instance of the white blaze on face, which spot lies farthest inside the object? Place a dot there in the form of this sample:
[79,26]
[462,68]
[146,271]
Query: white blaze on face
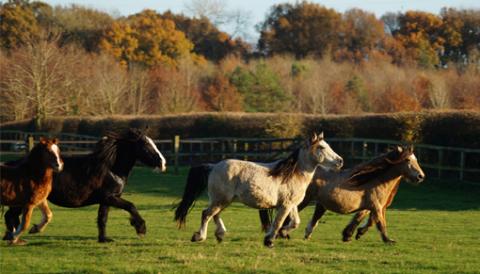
[413,157]
[164,162]
[56,151]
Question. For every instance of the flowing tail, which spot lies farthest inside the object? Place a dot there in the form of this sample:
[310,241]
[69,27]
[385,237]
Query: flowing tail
[197,182]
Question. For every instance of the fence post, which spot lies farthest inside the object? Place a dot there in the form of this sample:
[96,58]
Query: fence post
[176,149]
[462,164]
[29,143]
[364,151]
[234,148]
[245,149]
[439,165]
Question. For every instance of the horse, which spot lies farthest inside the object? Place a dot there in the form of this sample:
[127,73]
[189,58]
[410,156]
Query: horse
[100,178]
[366,188]
[280,184]
[28,184]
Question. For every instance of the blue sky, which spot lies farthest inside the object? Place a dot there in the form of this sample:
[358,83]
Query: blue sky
[259,8]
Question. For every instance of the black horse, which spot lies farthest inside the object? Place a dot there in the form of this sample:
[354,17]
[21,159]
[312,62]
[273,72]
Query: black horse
[99,178]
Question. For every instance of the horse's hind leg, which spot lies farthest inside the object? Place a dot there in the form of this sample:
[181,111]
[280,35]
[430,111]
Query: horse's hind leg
[220,231]
[46,218]
[207,214]
[364,228]
[282,213]
[350,228]
[24,224]
[12,221]
[135,219]
[317,214]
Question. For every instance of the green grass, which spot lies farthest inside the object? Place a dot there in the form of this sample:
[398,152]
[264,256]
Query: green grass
[436,226]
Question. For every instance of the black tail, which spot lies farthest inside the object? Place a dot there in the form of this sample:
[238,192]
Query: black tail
[266,217]
[197,182]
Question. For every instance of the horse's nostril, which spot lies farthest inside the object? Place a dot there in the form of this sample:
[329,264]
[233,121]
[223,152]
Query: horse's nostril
[420,176]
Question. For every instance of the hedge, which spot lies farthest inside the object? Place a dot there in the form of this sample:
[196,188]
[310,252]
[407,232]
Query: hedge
[447,128]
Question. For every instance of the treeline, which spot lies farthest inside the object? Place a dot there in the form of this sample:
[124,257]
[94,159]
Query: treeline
[79,61]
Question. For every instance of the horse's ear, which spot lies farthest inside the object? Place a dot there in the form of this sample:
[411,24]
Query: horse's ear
[399,149]
[313,138]
[320,136]
[43,140]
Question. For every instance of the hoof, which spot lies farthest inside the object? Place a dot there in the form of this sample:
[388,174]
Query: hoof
[34,229]
[8,236]
[268,242]
[105,240]
[141,235]
[307,237]
[197,237]
[140,226]
[389,241]
[347,239]
[17,242]
[283,234]
[220,236]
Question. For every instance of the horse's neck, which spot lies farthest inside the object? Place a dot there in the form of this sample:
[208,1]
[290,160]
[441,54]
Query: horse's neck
[389,179]
[124,161]
[37,173]
[306,168]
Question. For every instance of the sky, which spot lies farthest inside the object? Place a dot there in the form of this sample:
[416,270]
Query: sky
[257,9]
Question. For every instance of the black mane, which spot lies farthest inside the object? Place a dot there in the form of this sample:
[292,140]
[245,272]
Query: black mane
[365,172]
[287,167]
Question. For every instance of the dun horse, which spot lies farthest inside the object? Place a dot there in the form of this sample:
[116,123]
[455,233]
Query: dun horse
[281,185]
[366,188]
[100,177]
[28,184]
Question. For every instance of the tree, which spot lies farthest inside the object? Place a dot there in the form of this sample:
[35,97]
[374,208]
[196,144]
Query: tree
[260,89]
[421,34]
[461,29]
[147,39]
[361,33]
[207,39]
[18,24]
[300,29]
[220,95]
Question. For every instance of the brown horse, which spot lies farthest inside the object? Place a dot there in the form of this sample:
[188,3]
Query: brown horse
[28,184]
[366,188]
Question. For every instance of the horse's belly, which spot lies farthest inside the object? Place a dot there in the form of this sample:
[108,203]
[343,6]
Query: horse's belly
[340,203]
[258,197]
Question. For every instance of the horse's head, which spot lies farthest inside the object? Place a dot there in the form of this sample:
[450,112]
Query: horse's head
[48,154]
[322,154]
[408,165]
[146,150]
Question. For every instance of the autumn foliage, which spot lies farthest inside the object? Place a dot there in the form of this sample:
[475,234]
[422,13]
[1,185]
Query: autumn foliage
[74,60]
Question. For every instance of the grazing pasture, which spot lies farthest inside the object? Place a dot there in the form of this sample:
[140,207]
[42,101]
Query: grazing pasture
[436,226]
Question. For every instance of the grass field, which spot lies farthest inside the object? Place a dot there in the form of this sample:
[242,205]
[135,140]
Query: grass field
[436,225]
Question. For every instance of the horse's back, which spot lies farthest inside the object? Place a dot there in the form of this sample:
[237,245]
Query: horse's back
[245,181]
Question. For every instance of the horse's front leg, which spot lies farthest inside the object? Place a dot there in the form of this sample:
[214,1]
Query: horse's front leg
[294,223]
[135,220]
[379,219]
[350,228]
[317,214]
[282,213]
[24,224]
[12,221]
[102,223]
[46,218]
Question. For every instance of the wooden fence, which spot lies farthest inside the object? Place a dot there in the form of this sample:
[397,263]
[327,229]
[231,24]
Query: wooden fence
[438,162]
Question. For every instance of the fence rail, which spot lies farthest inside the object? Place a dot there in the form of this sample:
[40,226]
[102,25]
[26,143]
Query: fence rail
[439,162]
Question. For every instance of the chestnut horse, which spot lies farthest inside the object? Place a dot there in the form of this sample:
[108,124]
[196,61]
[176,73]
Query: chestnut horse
[366,188]
[28,184]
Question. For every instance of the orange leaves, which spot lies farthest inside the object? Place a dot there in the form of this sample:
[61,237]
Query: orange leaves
[146,38]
